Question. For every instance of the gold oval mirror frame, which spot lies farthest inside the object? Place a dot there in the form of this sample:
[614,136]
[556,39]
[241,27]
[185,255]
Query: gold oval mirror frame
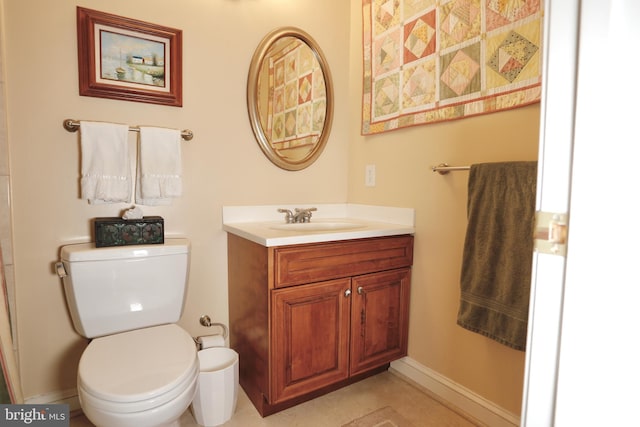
[290,98]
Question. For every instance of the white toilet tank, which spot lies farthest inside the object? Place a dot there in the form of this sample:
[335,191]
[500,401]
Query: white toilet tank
[121,288]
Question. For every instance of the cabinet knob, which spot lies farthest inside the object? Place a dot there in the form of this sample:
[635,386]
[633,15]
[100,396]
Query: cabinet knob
[347,292]
[360,290]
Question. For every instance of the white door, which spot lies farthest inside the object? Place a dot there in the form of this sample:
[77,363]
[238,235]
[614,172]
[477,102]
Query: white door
[583,356]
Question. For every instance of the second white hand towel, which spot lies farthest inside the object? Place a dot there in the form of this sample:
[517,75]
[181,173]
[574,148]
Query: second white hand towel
[159,166]
[106,171]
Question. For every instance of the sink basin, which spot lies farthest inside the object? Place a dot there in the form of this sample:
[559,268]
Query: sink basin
[318,226]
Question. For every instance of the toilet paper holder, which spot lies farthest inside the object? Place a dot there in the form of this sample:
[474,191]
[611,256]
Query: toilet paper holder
[205,320]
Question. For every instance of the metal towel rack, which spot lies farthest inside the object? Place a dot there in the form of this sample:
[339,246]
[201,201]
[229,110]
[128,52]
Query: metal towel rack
[444,168]
[73,126]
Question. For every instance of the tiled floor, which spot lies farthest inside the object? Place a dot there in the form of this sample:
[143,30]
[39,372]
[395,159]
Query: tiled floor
[341,406]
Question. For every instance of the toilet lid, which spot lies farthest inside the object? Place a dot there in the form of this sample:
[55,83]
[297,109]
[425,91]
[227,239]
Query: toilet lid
[137,365]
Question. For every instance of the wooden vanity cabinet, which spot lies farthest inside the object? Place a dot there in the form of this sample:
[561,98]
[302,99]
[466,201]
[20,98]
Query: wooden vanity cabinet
[307,319]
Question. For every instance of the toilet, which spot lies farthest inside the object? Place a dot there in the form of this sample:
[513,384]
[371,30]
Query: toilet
[140,368]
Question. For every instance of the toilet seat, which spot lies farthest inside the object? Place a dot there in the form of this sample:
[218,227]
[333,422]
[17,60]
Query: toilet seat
[137,370]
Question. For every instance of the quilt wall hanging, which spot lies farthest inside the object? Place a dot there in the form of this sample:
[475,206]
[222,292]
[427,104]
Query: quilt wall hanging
[297,104]
[428,61]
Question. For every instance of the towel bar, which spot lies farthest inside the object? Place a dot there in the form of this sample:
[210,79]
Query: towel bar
[444,168]
[73,126]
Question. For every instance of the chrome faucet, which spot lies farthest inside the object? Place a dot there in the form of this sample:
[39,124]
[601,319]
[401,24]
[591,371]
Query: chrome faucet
[303,215]
[299,215]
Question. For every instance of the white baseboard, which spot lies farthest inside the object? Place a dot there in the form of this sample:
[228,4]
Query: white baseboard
[68,397]
[467,401]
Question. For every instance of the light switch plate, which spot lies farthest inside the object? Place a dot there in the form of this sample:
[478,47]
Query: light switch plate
[370,176]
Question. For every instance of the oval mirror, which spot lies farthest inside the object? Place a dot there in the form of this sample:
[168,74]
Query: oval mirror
[290,98]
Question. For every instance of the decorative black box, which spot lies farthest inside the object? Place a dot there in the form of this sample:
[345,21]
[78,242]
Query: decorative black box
[121,232]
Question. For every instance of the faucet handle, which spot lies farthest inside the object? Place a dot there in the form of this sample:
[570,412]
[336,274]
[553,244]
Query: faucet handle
[288,215]
[306,209]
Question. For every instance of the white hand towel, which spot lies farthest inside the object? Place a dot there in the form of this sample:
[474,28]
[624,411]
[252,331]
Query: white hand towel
[106,171]
[159,166]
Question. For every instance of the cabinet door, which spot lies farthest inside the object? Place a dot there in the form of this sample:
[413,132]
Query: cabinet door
[310,337]
[379,323]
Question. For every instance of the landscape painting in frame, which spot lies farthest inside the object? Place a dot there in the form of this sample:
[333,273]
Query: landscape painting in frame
[126,59]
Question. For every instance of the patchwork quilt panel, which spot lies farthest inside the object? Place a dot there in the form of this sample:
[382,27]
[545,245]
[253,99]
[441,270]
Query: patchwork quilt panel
[296,104]
[428,61]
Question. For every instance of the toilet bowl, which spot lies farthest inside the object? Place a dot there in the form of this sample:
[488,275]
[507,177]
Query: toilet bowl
[144,377]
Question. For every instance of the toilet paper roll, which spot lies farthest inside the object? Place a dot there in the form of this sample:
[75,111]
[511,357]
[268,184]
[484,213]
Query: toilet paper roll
[209,341]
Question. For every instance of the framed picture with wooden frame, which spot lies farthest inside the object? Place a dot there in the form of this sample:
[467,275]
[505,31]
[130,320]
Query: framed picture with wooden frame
[130,60]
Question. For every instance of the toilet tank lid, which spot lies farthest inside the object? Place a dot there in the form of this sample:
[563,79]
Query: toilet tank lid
[89,252]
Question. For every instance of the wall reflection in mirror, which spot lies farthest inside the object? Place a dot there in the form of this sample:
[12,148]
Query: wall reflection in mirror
[289,97]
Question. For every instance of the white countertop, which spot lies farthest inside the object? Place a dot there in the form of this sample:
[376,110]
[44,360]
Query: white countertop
[262,224]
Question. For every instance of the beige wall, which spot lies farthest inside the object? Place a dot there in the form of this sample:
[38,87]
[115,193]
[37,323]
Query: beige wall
[224,166]
[5,189]
[404,178]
